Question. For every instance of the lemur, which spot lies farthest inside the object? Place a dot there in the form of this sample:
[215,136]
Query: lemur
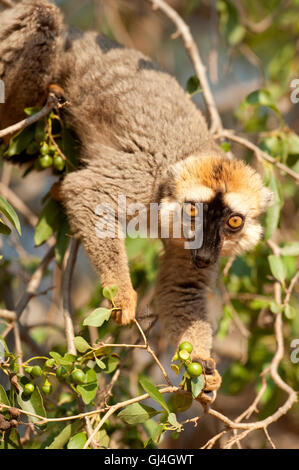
[140,136]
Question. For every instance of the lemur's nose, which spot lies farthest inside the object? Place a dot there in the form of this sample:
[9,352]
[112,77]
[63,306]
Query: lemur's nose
[203,261]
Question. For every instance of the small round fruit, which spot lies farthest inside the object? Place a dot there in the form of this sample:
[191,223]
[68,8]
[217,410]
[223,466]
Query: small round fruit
[184,355]
[50,363]
[61,373]
[28,389]
[78,376]
[45,161]
[52,149]
[186,346]
[36,371]
[59,163]
[194,369]
[44,148]
[47,387]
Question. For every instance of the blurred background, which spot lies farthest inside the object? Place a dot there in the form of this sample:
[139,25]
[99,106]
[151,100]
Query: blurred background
[246,46]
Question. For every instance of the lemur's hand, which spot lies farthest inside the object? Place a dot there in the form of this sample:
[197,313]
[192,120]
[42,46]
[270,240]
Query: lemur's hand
[126,301]
[212,380]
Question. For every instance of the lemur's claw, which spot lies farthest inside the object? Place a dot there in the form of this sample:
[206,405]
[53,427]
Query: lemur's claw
[212,380]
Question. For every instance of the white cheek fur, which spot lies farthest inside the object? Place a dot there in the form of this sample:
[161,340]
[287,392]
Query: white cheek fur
[244,240]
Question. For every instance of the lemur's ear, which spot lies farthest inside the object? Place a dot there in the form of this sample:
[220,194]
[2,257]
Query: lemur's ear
[267,198]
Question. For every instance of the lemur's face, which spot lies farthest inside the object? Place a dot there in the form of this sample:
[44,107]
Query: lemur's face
[232,196]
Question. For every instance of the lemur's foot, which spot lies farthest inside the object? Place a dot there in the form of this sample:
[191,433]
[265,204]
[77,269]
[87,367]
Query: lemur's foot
[126,302]
[58,92]
[212,380]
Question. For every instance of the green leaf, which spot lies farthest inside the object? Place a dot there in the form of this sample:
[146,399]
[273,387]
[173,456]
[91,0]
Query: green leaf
[81,344]
[100,363]
[226,146]
[154,430]
[293,143]
[77,441]
[137,413]
[275,308]
[48,222]
[32,110]
[110,292]
[260,97]
[179,402]
[10,213]
[197,384]
[4,400]
[290,312]
[65,435]
[62,241]
[67,360]
[193,84]
[97,317]
[277,268]
[290,249]
[34,403]
[153,393]
[20,141]
[173,420]
[102,438]
[89,389]
[11,440]
[4,229]
[112,364]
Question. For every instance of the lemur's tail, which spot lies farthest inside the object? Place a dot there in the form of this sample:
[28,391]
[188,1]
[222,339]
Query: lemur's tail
[30,38]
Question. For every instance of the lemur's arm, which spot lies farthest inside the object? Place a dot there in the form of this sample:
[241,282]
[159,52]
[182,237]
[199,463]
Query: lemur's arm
[180,301]
[82,192]
[30,40]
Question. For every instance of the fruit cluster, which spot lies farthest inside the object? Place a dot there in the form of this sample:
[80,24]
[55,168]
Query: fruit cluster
[193,369]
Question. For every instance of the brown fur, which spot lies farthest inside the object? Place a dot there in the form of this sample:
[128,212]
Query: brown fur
[140,136]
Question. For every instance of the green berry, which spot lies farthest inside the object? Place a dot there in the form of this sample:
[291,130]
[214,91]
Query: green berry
[28,389]
[36,371]
[194,369]
[59,162]
[47,387]
[45,161]
[184,355]
[61,373]
[50,363]
[44,148]
[186,346]
[52,149]
[78,376]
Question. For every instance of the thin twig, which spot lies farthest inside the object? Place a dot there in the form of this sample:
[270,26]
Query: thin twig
[66,294]
[50,104]
[229,134]
[200,70]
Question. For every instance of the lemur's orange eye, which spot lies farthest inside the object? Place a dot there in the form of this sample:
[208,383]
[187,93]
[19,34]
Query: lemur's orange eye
[235,222]
[190,209]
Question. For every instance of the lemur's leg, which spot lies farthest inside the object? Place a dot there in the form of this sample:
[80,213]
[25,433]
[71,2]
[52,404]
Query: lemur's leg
[82,192]
[180,301]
